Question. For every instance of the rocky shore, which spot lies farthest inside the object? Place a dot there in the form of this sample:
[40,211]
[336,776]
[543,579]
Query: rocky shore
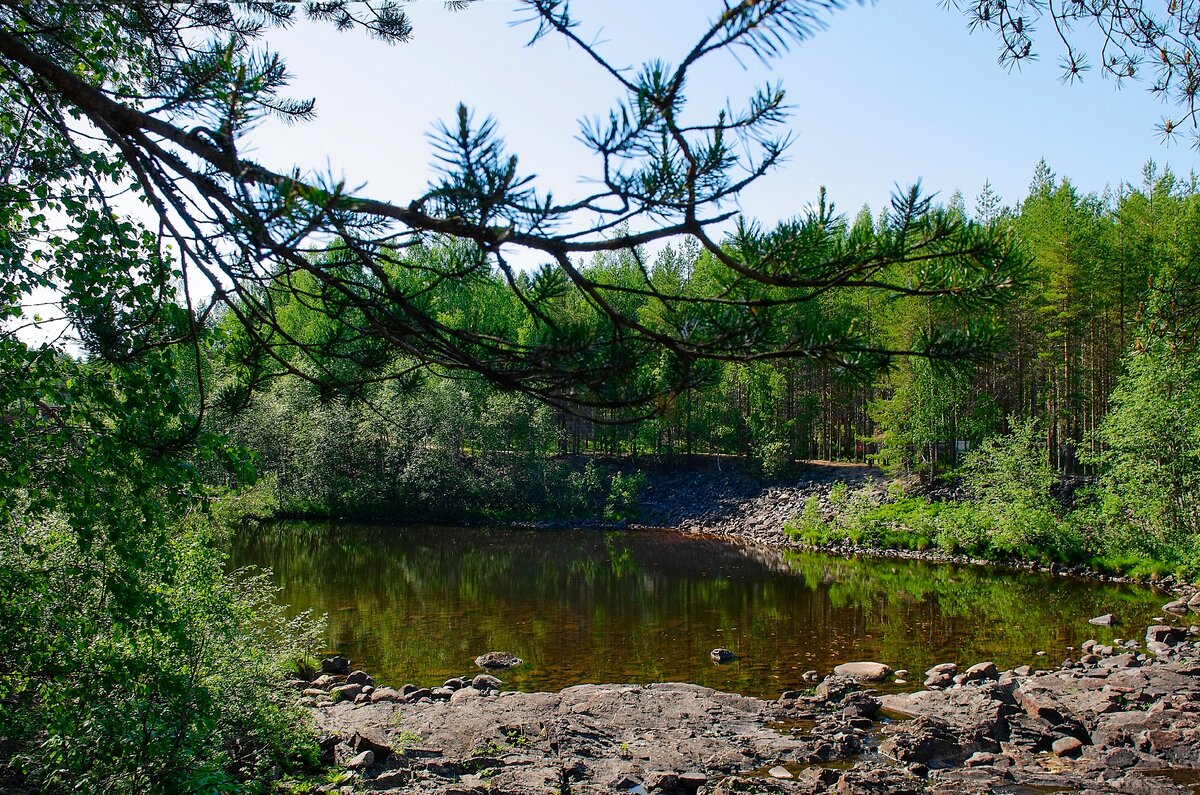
[1120,718]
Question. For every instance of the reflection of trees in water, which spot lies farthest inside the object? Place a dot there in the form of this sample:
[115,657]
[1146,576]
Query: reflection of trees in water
[416,603]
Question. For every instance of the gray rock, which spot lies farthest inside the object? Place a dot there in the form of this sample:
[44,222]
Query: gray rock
[497,660]
[720,656]
[779,771]
[863,671]
[359,761]
[359,678]
[486,682]
[380,694]
[1106,620]
[462,694]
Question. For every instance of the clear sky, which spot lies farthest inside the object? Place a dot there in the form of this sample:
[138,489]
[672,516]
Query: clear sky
[887,94]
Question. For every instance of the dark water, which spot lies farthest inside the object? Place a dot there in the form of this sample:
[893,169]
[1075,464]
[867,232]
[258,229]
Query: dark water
[418,604]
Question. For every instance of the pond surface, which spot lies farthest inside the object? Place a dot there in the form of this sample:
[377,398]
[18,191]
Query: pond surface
[418,604]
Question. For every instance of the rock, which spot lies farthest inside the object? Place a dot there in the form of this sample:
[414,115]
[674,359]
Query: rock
[358,762]
[1179,606]
[1106,620]
[779,771]
[462,694]
[835,688]
[811,676]
[486,682]
[1161,633]
[379,750]
[937,681]
[1066,746]
[942,668]
[442,693]
[359,678]
[721,656]
[335,665]
[981,671]
[345,692]
[1194,603]
[418,694]
[901,674]
[497,660]
[863,671]
[385,694]
[455,683]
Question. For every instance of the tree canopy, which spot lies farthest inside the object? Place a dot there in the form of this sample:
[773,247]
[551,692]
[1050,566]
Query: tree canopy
[156,99]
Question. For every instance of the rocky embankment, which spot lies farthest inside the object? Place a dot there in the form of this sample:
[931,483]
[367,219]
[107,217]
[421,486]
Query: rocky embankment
[729,502]
[1119,719]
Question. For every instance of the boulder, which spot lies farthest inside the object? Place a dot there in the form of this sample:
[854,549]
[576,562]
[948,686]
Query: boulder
[1194,603]
[1179,606]
[497,660]
[1066,746]
[359,678]
[335,665]
[863,671]
[385,694]
[981,671]
[721,656]
[835,688]
[1161,633]
[359,761]
[943,668]
[486,682]
[1106,620]
[345,692]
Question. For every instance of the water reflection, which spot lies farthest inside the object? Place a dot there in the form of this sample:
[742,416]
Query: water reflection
[417,604]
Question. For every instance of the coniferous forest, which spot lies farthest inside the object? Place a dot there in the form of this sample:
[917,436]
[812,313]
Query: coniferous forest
[193,340]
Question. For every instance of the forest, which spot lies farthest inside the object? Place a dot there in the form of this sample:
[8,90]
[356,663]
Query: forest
[236,343]
[1090,379]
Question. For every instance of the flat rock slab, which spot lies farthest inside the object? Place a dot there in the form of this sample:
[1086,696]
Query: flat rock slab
[584,736]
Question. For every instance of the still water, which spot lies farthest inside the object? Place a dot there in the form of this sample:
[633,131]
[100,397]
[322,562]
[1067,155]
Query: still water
[418,604]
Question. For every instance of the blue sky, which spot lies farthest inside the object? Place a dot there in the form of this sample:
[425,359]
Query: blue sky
[889,93]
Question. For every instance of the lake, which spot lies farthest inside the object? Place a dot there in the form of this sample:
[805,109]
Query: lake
[419,603]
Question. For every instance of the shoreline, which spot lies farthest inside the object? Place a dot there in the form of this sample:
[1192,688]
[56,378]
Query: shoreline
[1115,719]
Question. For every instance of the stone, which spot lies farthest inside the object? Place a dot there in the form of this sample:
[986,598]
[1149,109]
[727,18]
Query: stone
[720,656]
[380,750]
[385,694]
[981,671]
[417,695]
[863,671]
[1194,603]
[497,660]
[1106,620]
[486,682]
[779,771]
[335,665]
[942,668]
[1179,606]
[359,761]
[359,678]
[345,692]
[936,681]
[442,693]
[462,694]
[1161,633]
[835,688]
[1066,746]
[811,676]
[455,683]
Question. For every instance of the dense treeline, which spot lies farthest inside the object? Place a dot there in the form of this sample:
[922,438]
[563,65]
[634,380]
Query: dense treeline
[1104,269]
